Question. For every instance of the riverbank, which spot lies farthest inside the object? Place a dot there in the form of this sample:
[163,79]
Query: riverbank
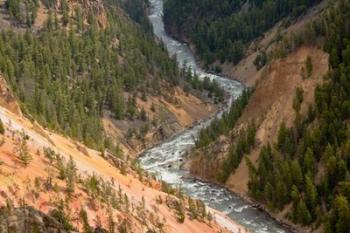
[165,160]
[291,227]
[191,46]
[227,223]
[282,221]
[270,105]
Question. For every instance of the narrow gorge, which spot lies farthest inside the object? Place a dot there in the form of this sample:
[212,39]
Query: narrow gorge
[166,159]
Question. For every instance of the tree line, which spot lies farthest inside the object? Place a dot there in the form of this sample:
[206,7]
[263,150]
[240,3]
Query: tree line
[223,125]
[222,30]
[309,164]
[69,72]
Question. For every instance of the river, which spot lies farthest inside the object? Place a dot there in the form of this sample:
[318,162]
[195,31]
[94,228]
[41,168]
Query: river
[165,159]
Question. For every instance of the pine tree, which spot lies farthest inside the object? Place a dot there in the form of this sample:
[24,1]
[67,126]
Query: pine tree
[310,193]
[309,161]
[192,208]
[111,223]
[201,208]
[84,219]
[342,214]
[281,194]
[14,8]
[71,172]
[298,99]
[180,210]
[284,143]
[2,128]
[21,150]
[296,173]
[65,12]
[302,213]
[309,66]
[209,217]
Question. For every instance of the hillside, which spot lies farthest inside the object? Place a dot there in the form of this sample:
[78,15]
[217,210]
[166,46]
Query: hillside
[80,188]
[223,30]
[86,70]
[84,89]
[286,146]
[270,104]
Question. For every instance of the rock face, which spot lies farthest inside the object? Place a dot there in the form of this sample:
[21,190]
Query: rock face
[27,219]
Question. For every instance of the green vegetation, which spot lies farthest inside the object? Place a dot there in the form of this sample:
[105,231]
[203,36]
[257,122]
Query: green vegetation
[309,67]
[70,72]
[71,173]
[23,11]
[211,86]
[260,60]
[244,140]
[2,127]
[84,219]
[136,9]
[66,78]
[320,142]
[99,193]
[220,30]
[61,216]
[226,123]
[180,211]
[298,99]
[21,149]
[243,145]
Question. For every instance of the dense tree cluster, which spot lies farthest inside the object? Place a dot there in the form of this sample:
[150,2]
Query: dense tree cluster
[66,76]
[309,164]
[136,9]
[245,142]
[23,11]
[225,124]
[211,86]
[221,29]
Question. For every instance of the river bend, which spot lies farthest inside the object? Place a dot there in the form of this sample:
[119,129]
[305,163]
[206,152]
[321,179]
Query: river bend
[165,159]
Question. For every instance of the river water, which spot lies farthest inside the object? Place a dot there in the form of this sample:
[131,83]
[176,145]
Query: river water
[165,159]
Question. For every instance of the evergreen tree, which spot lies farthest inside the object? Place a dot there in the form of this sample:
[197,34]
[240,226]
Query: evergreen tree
[309,161]
[321,139]
[212,23]
[310,193]
[342,214]
[302,213]
[309,67]
[85,221]
[21,150]
[71,172]
[2,128]
[297,173]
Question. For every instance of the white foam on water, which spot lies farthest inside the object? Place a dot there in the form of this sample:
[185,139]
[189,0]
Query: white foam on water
[157,159]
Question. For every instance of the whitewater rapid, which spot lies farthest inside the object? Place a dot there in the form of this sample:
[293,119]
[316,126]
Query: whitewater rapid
[165,160]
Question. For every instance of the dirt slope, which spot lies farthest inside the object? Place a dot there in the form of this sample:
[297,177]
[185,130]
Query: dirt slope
[28,184]
[272,101]
[270,105]
[167,113]
[245,71]
[165,117]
